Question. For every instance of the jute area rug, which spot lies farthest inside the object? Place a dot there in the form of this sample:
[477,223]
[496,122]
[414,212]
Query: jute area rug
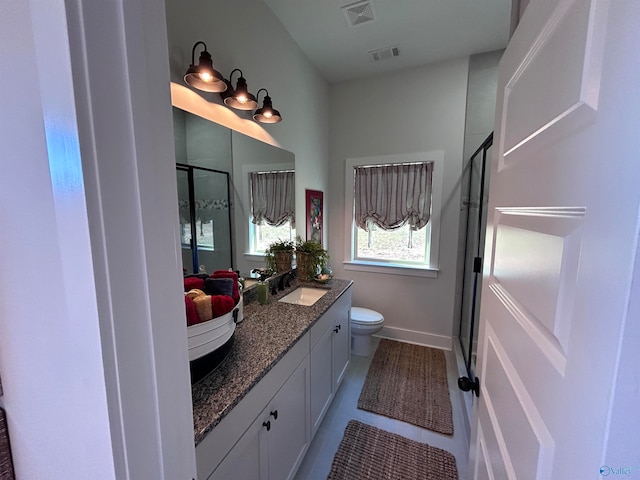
[409,383]
[367,452]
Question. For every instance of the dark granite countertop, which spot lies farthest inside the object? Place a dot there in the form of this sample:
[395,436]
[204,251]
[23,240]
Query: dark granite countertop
[267,333]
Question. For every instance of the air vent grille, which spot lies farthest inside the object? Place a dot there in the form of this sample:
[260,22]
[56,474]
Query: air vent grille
[384,53]
[358,13]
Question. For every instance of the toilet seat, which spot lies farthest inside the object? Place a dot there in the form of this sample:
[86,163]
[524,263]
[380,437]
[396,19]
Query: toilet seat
[365,316]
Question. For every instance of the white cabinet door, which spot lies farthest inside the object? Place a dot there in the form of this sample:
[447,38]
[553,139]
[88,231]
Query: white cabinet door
[330,355]
[247,459]
[321,379]
[275,443]
[289,436]
[341,343]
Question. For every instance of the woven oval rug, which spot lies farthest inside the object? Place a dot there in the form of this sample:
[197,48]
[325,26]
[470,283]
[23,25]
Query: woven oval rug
[367,452]
[409,383]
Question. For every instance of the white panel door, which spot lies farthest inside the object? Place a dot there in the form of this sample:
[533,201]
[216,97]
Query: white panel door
[561,241]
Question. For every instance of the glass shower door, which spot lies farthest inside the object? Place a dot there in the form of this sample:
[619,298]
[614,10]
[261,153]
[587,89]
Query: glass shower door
[186,224]
[205,219]
[212,221]
[475,202]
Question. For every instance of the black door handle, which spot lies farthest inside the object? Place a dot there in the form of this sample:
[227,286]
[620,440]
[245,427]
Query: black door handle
[465,384]
[267,424]
[274,414]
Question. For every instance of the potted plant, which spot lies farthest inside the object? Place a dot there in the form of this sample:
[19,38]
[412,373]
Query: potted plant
[279,256]
[311,258]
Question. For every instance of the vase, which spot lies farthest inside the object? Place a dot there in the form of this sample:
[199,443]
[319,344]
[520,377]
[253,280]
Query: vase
[283,261]
[305,267]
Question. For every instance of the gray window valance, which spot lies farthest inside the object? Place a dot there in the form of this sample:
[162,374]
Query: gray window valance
[391,196]
[273,197]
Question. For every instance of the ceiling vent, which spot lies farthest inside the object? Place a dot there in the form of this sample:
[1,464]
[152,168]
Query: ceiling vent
[384,53]
[358,13]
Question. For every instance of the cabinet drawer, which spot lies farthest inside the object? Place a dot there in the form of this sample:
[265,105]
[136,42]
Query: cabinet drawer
[337,311]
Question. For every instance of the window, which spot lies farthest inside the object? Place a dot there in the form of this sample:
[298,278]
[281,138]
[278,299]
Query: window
[393,209]
[272,208]
[402,245]
[264,235]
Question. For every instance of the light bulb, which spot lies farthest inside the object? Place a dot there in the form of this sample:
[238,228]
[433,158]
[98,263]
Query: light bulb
[206,76]
[242,99]
[267,114]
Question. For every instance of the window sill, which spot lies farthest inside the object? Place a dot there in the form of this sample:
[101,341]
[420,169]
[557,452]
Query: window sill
[390,269]
[204,249]
[254,257]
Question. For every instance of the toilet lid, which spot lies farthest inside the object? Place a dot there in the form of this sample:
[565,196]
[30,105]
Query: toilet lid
[365,316]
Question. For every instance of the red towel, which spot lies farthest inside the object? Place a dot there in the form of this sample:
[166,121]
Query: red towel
[221,304]
[234,276]
[192,314]
[193,282]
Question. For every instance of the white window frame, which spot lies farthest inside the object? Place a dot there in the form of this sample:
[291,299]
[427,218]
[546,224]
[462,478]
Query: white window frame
[430,270]
[249,226]
[252,238]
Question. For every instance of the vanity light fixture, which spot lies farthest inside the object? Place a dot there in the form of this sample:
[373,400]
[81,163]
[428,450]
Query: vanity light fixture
[240,98]
[266,114]
[203,76]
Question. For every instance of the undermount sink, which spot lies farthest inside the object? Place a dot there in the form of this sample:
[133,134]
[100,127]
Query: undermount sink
[304,296]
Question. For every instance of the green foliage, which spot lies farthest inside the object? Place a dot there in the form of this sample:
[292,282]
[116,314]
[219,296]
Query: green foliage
[317,257]
[280,246]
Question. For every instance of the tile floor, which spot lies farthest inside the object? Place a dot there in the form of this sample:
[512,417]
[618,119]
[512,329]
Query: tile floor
[317,462]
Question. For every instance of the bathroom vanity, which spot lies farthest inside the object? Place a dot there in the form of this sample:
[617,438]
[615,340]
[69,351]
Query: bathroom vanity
[256,415]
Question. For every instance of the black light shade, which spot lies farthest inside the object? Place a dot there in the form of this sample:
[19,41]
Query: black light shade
[267,114]
[203,76]
[240,98]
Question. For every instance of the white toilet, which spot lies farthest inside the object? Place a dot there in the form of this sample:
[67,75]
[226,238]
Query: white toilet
[364,323]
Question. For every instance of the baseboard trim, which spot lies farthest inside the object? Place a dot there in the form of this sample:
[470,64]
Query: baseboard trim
[419,338]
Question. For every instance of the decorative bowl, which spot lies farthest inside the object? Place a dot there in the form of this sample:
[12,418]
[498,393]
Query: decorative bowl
[322,278]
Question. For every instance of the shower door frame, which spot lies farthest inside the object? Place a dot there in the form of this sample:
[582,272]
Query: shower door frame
[192,211]
[475,268]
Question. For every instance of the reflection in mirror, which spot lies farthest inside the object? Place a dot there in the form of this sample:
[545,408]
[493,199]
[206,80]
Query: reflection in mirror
[202,143]
[205,219]
[203,165]
[251,155]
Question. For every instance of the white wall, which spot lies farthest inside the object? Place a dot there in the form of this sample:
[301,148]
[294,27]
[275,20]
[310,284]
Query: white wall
[50,352]
[415,110]
[276,62]
[96,318]
[481,99]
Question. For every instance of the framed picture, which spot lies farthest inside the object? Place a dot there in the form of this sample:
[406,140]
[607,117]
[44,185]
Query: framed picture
[314,215]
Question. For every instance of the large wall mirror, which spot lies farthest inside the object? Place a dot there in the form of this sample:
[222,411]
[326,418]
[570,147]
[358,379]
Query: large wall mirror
[212,176]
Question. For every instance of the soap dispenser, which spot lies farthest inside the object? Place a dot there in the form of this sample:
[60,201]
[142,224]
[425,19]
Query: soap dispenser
[263,289]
